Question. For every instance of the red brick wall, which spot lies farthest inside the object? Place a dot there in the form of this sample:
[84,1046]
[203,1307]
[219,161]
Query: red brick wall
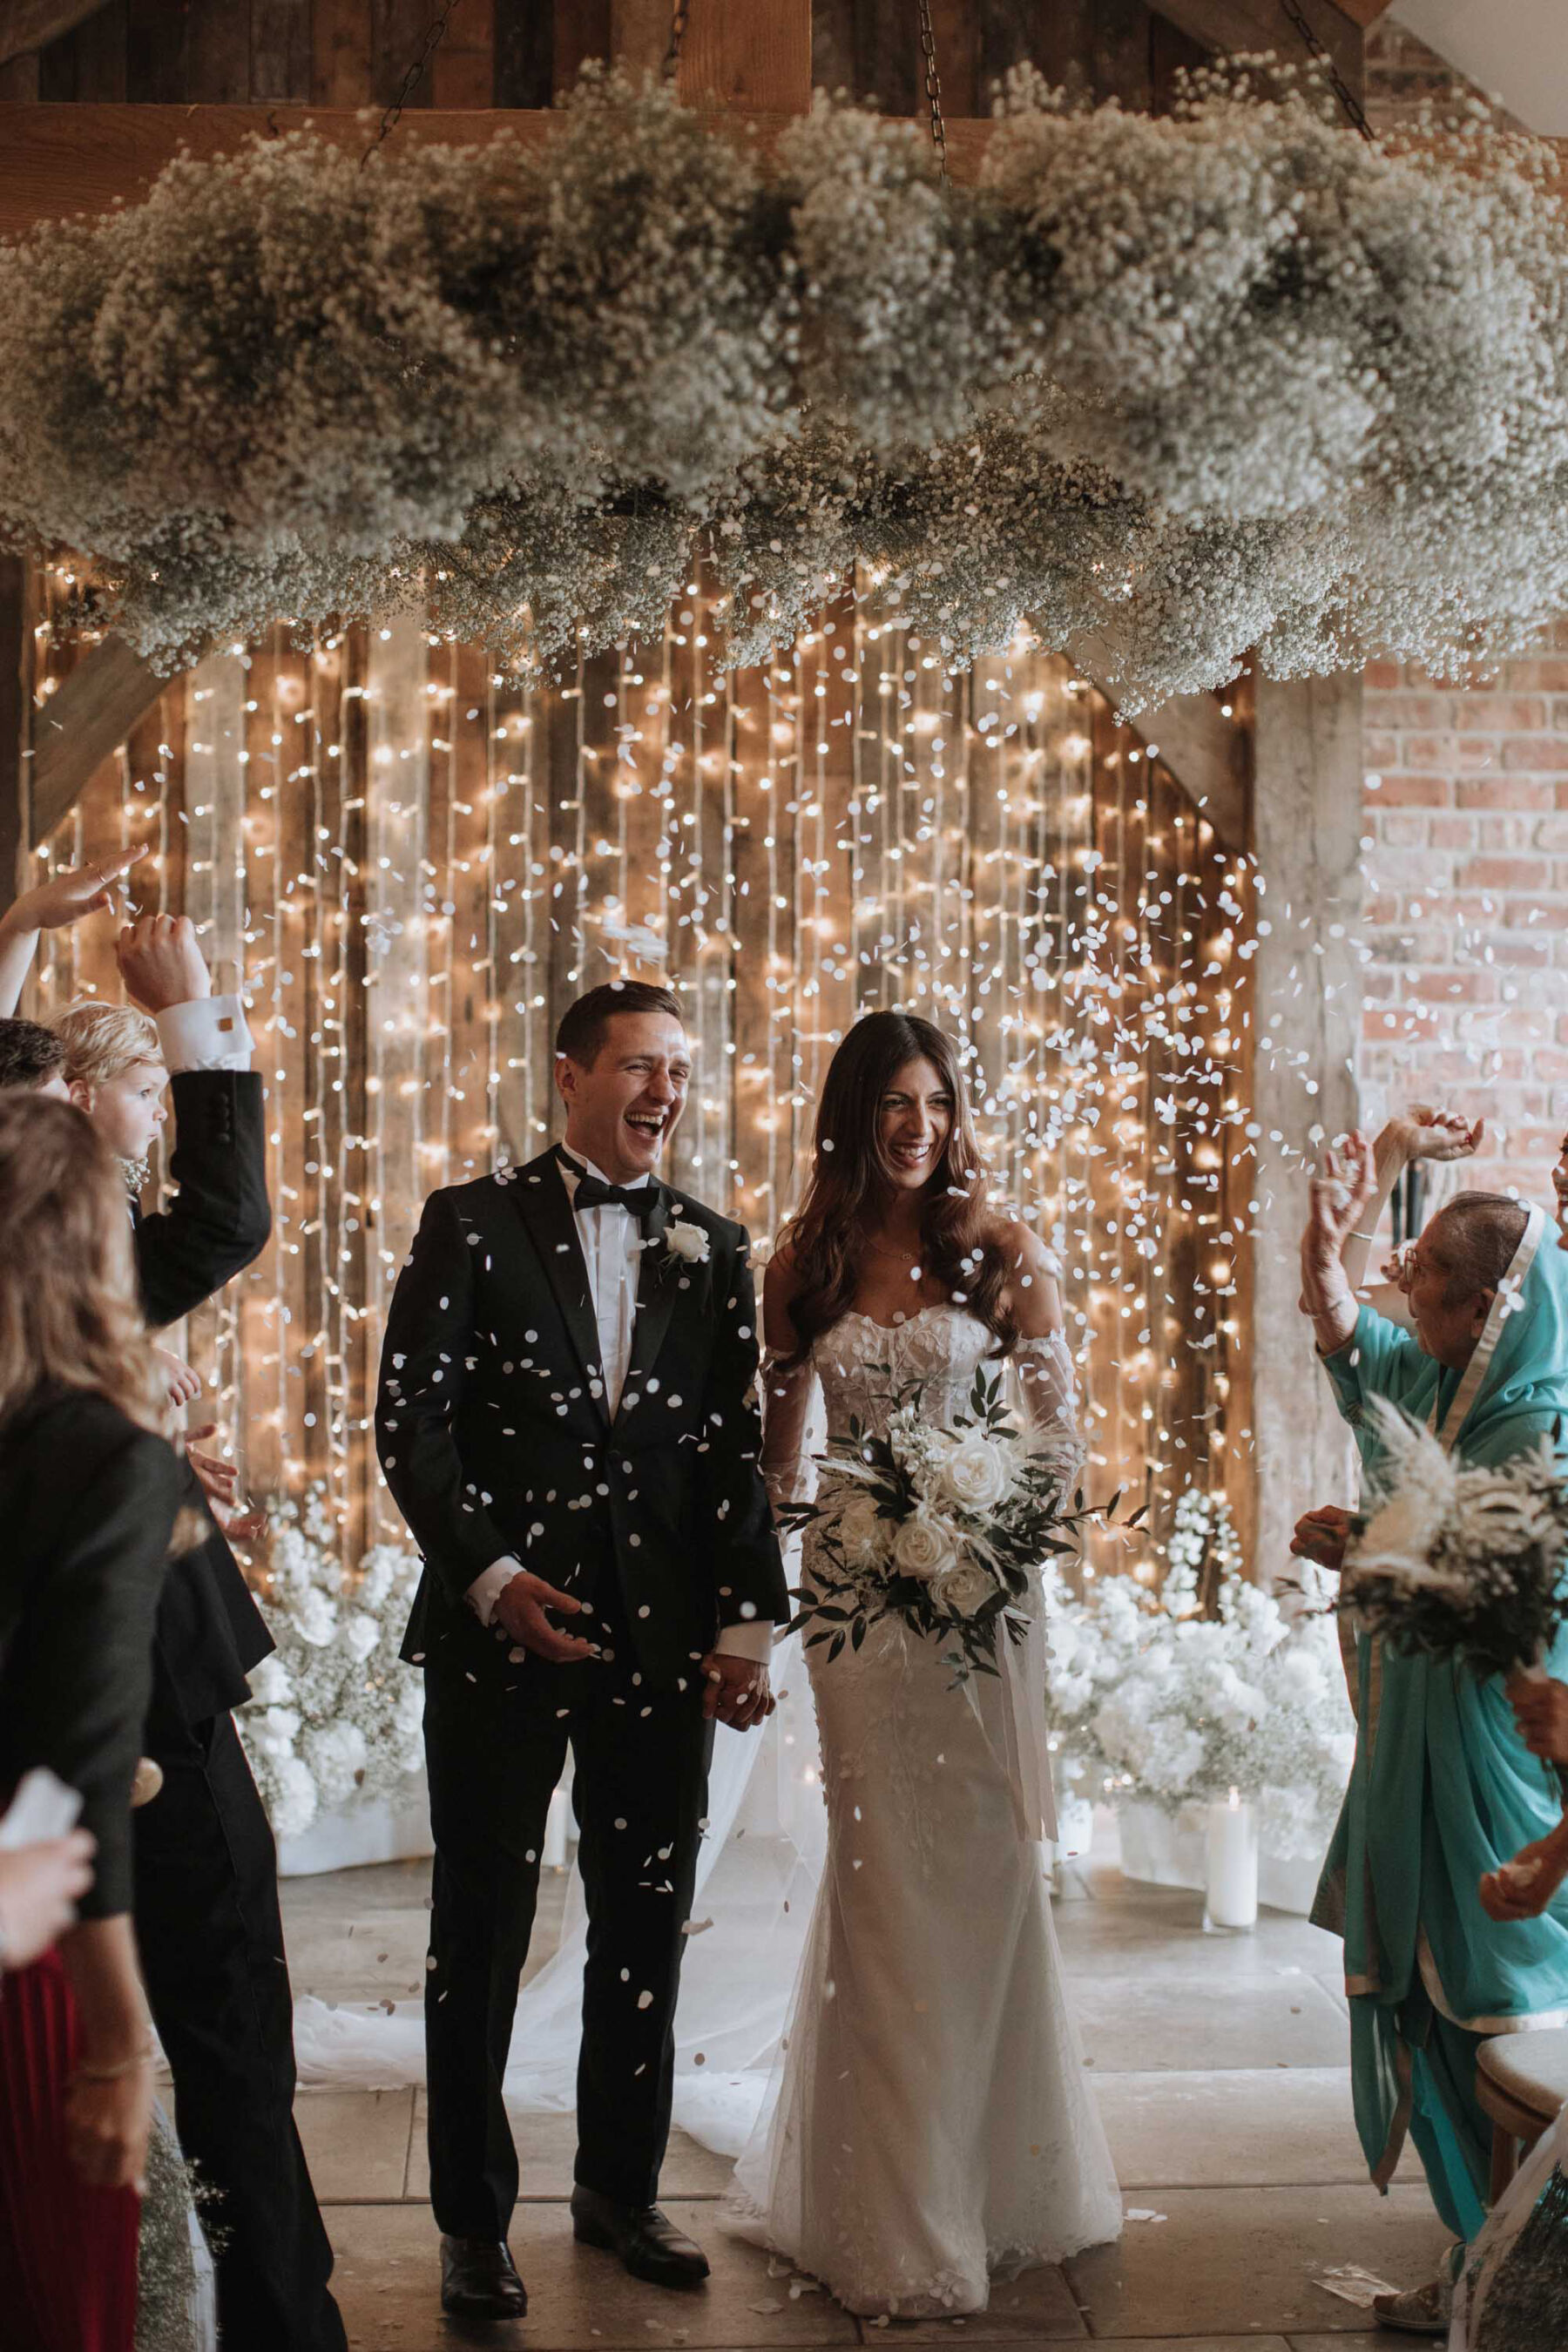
[1466,843]
[1466,890]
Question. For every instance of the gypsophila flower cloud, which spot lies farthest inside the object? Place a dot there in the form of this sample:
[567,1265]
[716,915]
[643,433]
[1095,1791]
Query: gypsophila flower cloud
[1166,390]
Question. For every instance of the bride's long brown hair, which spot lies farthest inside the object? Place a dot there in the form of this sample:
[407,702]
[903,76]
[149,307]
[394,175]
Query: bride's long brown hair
[851,1176]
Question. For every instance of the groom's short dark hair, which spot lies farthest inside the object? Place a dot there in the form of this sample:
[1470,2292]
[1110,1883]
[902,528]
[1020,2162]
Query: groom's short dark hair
[583,1024]
[31,1054]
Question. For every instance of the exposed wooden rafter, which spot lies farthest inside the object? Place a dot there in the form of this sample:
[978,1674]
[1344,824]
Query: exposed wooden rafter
[75,730]
[28,25]
[1207,754]
[57,161]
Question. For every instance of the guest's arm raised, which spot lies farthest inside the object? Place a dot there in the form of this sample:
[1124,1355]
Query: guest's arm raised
[218,1220]
[1422,1133]
[63,898]
[1342,1195]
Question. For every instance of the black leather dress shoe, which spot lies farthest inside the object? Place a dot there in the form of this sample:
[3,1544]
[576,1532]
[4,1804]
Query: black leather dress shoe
[649,2246]
[477,2281]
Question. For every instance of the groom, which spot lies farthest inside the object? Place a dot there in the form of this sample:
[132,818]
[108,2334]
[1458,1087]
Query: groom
[568,1421]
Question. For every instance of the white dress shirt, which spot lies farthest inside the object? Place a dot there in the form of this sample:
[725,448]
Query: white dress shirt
[208,1033]
[611,1249]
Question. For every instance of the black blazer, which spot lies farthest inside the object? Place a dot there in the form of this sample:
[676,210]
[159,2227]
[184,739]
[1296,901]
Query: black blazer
[218,1220]
[88,1503]
[210,1630]
[495,1436]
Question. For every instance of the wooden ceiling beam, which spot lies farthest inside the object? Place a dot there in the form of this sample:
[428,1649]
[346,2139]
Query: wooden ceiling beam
[1207,753]
[78,727]
[57,162]
[28,25]
[1254,25]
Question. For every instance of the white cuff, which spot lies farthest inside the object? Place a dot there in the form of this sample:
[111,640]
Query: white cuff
[488,1585]
[753,1640]
[208,1033]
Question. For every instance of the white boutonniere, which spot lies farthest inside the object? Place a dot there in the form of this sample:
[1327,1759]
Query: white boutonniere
[686,1242]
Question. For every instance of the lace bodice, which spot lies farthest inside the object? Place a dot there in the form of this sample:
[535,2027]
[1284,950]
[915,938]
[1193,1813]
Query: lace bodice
[859,1362]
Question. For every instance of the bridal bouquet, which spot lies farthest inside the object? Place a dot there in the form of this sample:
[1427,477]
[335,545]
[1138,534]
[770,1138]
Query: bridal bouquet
[1460,1560]
[941,1527]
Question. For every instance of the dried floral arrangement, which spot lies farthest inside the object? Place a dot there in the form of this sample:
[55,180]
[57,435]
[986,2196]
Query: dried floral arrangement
[1162,389]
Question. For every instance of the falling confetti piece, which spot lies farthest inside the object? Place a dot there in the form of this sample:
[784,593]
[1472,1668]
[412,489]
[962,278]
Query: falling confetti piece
[1353,2284]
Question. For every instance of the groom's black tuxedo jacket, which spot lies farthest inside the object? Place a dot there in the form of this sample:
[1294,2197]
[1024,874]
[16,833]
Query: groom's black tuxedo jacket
[495,1434]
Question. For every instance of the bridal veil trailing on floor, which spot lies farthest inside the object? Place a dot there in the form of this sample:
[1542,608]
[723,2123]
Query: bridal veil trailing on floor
[761,1861]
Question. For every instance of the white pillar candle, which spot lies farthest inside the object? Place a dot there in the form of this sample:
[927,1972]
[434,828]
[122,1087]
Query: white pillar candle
[1232,1897]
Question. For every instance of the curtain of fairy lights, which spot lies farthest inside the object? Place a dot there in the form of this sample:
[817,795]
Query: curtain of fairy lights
[417,863]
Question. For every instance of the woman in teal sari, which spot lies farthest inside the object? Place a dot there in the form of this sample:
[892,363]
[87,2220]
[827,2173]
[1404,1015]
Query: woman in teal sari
[1443,1790]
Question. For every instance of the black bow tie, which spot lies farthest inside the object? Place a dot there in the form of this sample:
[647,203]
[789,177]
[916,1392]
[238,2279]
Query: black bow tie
[593,1193]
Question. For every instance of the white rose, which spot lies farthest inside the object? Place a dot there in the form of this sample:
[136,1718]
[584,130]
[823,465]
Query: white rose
[922,1548]
[274,1730]
[360,1635]
[335,1755]
[686,1242]
[974,1474]
[270,1682]
[315,1619]
[293,1805]
[861,1532]
[963,1589]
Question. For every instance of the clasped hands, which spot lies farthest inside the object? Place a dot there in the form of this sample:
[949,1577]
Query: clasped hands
[736,1690]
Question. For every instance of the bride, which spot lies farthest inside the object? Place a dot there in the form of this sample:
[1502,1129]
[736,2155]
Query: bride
[929,2128]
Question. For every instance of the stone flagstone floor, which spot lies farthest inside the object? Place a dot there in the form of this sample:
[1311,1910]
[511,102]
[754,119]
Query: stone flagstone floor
[1220,2066]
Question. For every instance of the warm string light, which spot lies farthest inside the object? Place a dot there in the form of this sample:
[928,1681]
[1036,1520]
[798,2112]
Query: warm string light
[417,861]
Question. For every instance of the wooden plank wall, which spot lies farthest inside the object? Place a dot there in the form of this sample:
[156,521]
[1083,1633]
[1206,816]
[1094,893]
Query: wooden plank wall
[521,53]
[418,864]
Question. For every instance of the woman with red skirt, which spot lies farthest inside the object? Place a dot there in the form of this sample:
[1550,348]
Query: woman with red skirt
[88,1494]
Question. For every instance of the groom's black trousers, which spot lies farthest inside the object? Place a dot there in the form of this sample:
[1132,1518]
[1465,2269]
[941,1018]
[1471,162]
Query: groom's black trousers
[496,1748]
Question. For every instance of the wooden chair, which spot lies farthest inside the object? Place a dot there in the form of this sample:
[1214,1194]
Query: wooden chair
[1522,2082]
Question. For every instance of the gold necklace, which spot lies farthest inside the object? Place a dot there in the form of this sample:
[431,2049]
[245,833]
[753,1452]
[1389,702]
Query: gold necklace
[905,1257]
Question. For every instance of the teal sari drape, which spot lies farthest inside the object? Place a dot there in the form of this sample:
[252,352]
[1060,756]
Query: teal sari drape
[1442,1788]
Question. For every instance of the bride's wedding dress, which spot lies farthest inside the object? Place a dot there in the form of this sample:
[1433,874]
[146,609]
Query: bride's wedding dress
[930,2127]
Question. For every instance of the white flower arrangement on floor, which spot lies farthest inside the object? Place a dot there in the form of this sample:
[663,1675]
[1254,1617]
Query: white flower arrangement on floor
[1163,390]
[1150,1700]
[335,1718]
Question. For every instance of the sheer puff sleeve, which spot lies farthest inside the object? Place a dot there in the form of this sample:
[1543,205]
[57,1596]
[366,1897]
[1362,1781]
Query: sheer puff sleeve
[1042,1359]
[788,1391]
[787,1394]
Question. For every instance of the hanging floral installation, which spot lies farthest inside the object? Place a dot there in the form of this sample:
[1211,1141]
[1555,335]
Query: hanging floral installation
[1167,389]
